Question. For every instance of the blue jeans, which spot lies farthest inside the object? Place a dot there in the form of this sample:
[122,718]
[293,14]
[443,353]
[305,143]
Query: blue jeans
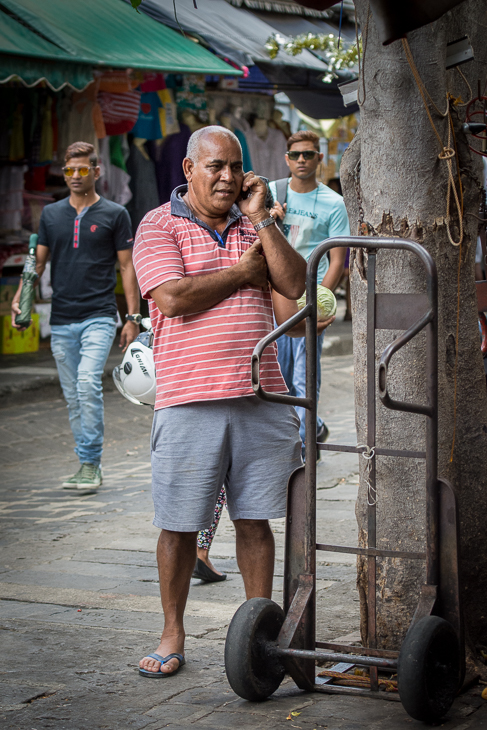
[291,354]
[81,350]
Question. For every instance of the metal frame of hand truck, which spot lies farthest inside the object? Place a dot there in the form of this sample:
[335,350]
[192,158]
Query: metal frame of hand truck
[296,646]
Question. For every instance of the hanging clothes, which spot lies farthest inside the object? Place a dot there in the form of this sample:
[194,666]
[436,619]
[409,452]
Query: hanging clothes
[119,151]
[120,111]
[169,163]
[143,185]
[11,197]
[168,113]
[17,146]
[153,81]
[98,121]
[268,155]
[246,159]
[46,148]
[116,81]
[36,130]
[55,130]
[191,95]
[77,124]
[148,125]
[114,180]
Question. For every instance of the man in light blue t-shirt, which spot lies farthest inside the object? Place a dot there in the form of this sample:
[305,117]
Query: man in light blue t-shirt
[311,213]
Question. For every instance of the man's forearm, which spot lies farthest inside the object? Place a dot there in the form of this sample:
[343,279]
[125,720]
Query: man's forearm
[130,288]
[335,270]
[193,294]
[287,268]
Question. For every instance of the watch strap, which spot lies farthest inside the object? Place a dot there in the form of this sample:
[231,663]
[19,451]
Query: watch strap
[137,318]
[263,224]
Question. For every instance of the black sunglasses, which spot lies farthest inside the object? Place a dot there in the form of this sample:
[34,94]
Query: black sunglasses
[294,155]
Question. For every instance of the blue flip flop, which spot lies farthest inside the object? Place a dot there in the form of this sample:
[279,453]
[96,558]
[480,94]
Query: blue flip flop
[163,660]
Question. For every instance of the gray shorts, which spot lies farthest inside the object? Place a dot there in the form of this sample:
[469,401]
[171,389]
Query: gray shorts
[247,444]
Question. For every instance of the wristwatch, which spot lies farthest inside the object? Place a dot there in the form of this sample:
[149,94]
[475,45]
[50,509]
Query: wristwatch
[264,223]
[137,318]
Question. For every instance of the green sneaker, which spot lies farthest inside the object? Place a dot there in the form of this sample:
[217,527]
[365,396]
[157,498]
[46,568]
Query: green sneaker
[88,476]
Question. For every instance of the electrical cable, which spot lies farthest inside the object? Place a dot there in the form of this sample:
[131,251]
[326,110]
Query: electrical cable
[339,25]
[176,17]
[470,113]
[361,66]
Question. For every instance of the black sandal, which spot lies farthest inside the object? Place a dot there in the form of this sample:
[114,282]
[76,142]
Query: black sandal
[203,572]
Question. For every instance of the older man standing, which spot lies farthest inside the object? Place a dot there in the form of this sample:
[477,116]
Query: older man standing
[205,265]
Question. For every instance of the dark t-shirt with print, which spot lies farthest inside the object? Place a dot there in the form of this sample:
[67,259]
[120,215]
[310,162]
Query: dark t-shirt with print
[83,254]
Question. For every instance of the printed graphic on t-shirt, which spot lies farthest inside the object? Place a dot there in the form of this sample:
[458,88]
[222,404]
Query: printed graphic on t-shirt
[312,218]
[298,228]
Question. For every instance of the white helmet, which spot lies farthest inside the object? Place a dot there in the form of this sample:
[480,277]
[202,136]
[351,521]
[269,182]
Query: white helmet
[135,378]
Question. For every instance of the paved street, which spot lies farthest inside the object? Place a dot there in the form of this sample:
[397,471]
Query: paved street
[80,599]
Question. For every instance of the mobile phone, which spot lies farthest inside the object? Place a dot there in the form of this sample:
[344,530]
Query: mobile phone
[244,194]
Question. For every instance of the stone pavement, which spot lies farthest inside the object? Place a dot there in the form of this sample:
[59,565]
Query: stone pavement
[80,600]
[33,377]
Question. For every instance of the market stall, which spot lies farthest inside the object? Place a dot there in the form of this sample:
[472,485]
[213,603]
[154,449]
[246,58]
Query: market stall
[71,72]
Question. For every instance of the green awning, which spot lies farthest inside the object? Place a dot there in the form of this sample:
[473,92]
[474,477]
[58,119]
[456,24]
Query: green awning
[111,33]
[40,60]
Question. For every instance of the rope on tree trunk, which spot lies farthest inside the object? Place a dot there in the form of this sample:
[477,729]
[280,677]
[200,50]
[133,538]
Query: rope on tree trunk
[447,153]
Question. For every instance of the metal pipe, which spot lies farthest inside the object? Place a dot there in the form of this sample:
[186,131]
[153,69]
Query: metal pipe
[349,649]
[366,661]
[376,552]
[310,442]
[384,365]
[378,451]
[432,484]
[310,454]
[371,479]
[256,355]
[335,689]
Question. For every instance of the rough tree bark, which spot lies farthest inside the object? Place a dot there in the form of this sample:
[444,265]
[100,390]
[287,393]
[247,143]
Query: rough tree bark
[403,187]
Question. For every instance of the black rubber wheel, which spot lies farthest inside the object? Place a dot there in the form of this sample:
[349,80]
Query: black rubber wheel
[428,669]
[252,674]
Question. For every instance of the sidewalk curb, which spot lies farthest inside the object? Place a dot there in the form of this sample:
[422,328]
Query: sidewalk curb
[34,382]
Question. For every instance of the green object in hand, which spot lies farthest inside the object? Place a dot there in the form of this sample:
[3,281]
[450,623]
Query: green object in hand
[29,279]
[327,304]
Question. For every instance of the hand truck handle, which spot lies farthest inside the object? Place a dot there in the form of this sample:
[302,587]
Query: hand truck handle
[399,342]
[256,355]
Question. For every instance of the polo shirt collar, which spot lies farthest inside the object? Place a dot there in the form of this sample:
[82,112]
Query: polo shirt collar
[180,209]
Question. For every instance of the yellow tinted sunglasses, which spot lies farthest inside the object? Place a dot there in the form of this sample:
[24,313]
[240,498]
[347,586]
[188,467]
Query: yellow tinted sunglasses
[83,171]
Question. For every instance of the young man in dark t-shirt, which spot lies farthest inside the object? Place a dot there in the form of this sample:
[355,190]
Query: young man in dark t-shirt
[84,235]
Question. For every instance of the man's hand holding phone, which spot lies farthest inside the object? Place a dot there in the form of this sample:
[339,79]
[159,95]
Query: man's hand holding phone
[252,198]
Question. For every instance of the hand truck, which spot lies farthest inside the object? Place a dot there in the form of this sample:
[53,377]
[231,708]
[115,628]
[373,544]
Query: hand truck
[265,641]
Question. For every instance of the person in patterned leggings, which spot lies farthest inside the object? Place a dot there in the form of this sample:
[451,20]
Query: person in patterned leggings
[204,569]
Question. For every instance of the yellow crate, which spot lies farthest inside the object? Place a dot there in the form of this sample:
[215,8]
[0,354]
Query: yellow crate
[14,342]
[8,288]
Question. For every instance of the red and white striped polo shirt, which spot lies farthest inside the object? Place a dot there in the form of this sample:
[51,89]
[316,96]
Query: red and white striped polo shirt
[203,356]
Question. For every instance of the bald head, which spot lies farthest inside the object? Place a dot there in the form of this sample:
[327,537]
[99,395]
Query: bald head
[213,133]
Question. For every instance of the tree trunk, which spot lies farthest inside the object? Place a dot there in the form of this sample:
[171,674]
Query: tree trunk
[403,187]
